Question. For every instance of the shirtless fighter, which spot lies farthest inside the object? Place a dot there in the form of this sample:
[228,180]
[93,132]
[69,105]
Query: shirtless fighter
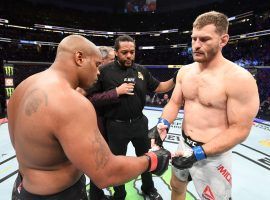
[220,101]
[53,129]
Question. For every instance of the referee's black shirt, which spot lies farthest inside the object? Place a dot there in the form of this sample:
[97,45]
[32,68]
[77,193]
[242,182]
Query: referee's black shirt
[130,106]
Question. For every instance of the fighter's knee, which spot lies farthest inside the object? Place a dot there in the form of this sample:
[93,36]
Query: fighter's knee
[178,186]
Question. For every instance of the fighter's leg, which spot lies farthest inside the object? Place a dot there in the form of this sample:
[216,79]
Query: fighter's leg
[179,188]
[180,178]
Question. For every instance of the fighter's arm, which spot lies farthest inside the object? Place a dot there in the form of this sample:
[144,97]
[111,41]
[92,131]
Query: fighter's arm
[171,109]
[242,107]
[158,133]
[85,147]
[82,143]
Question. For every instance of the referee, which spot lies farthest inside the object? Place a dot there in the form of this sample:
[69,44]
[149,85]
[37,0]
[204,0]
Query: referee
[125,121]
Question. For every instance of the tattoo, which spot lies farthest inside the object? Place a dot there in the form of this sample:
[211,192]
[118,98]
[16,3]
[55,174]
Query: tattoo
[34,99]
[101,154]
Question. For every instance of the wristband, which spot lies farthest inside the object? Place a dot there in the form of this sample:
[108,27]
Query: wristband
[153,161]
[165,122]
[199,153]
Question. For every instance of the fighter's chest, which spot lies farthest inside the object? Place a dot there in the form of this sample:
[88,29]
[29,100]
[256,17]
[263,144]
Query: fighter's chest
[208,90]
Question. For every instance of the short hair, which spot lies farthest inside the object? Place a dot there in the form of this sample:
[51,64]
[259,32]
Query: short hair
[122,38]
[218,19]
[105,51]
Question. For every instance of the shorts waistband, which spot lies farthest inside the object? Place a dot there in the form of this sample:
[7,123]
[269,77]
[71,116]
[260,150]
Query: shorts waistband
[130,120]
[189,141]
[74,188]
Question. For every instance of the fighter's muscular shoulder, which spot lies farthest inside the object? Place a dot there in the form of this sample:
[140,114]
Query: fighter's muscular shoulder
[236,75]
[185,69]
[69,103]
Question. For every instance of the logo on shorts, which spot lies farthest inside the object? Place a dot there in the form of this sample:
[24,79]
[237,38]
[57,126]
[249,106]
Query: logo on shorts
[191,142]
[8,70]
[225,173]
[208,194]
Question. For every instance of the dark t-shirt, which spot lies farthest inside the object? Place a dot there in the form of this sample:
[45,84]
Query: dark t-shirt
[129,107]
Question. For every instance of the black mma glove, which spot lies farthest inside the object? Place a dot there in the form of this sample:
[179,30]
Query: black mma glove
[158,161]
[154,134]
[189,158]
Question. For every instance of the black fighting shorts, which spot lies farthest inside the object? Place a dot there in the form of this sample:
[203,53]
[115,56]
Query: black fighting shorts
[75,192]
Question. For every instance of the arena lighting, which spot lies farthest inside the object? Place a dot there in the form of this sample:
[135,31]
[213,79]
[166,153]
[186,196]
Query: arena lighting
[243,15]
[54,31]
[59,28]
[231,18]
[5,39]
[48,27]
[178,46]
[47,43]
[250,35]
[27,42]
[20,27]
[232,38]
[5,21]
[41,26]
[186,32]
[38,43]
[164,46]
[97,35]
[165,31]
[147,47]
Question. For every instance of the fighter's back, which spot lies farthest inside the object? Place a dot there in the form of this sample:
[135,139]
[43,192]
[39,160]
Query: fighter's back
[32,132]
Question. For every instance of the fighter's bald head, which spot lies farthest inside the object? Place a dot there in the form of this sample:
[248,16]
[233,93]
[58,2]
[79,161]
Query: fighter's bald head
[76,43]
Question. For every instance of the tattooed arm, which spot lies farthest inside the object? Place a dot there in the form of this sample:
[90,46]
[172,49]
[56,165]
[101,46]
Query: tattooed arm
[84,146]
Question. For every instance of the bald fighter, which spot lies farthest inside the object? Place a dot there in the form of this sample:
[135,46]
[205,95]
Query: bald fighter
[53,139]
[220,101]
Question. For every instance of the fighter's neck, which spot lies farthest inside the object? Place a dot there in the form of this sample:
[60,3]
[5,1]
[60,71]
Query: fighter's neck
[66,73]
[214,63]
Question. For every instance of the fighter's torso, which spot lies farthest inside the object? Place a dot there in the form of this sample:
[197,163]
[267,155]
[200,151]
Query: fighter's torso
[205,98]
[39,153]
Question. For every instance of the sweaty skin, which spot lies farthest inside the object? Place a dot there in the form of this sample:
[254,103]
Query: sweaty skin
[220,99]
[53,128]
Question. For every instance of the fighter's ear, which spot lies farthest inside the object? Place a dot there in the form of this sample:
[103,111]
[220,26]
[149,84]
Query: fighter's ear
[78,58]
[224,40]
